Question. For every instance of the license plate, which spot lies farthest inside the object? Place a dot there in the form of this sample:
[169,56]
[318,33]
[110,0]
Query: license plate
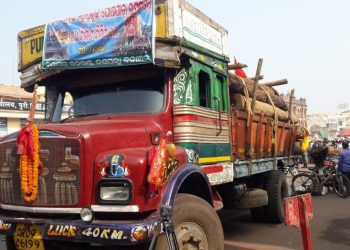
[28,237]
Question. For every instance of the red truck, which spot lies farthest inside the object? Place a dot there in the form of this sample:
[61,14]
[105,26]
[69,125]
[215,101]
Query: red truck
[142,142]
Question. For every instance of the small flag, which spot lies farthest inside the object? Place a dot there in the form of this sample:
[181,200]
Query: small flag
[240,72]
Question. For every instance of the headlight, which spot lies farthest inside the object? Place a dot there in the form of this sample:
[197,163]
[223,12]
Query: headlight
[115,191]
[86,214]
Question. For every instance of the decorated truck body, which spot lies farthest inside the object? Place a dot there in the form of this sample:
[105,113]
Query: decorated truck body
[140,135]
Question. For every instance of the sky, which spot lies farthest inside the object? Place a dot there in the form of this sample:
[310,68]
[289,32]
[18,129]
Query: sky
[305,41]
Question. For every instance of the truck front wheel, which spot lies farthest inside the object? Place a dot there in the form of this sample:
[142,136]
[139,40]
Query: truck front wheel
[197,225]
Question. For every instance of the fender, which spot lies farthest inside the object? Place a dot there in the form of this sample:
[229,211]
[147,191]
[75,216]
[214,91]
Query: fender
[178,180]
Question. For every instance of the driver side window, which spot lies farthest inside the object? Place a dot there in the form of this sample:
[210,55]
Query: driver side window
[204,89]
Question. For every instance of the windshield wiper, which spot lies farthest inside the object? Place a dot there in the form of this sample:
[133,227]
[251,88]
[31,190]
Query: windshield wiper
[78,116]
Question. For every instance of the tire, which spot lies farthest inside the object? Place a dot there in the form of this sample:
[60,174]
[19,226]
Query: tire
[303,183]
[193,215]
[255,197]
[257,213]
[277,190]
[341,185]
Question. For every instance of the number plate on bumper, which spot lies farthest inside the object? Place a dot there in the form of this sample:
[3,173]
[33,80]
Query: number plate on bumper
[28,237]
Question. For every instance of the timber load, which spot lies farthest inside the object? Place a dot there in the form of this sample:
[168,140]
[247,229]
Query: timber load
[268,100]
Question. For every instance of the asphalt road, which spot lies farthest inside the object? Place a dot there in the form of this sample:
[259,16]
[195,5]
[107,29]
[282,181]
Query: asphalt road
[330,228]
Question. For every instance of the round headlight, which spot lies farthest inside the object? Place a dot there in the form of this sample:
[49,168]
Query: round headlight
[86,214]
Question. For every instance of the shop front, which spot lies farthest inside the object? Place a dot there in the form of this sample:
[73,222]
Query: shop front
[15,105]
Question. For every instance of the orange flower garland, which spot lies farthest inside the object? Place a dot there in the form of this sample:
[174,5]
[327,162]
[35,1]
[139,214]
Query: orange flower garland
[29,169]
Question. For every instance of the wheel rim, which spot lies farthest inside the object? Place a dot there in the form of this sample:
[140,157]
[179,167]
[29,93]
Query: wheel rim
[302,184]
[191,236]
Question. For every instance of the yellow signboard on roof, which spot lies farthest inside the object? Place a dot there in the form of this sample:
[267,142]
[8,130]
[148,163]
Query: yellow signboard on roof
[30,46]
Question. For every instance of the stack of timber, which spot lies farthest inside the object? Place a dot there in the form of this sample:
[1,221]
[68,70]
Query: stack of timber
[241,93]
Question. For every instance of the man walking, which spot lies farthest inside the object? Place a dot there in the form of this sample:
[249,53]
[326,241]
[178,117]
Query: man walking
[344,159]
[304,147]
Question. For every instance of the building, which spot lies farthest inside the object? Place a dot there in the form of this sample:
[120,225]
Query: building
[332,128]
[299,108]
[317,132]
[15,104]
[334,124]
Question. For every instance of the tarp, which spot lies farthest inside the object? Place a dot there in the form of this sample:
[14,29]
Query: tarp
[115,36]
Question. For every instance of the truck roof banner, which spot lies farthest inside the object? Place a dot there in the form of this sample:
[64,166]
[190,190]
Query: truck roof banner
[116,36]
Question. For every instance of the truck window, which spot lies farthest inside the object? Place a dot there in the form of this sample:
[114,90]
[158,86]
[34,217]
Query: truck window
[204,89]
[130,97]
[222,92]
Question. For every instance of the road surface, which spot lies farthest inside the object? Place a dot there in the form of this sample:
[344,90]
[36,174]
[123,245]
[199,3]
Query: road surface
[330,229]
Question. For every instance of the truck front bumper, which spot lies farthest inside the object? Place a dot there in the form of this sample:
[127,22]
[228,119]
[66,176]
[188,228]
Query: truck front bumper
[95,232]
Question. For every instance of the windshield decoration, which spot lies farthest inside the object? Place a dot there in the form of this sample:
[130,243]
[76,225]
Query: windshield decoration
[116,36]
[114,166]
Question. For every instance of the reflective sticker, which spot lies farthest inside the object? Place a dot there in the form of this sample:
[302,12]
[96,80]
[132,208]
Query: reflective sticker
[104,233]
[62,230]
[4,226]
[139,233]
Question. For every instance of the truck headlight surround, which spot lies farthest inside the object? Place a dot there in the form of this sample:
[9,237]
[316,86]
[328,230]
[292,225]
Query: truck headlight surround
[114,191]
[86,214]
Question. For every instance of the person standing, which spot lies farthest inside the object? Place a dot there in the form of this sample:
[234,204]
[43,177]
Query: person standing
[304,147]
[344,159]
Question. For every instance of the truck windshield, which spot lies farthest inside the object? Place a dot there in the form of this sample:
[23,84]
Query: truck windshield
[133,97]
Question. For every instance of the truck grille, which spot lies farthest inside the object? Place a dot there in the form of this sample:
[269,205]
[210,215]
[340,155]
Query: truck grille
[59,179]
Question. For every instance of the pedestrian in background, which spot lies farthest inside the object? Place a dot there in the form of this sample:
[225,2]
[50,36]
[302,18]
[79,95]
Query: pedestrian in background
[319,153]
[344,159]
[311,144]
[304,147]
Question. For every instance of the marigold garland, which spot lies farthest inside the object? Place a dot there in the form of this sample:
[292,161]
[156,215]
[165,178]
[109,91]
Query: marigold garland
[29,169]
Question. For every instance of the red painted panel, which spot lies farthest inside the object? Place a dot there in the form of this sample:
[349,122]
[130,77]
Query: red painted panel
[291,208]
[213,169]
[196,118]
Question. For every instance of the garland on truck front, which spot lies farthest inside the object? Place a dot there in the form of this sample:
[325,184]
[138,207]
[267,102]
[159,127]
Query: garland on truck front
[29,165]
[28,148]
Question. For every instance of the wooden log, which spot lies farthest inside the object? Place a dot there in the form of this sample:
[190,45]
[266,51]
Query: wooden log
[236,66]
[256,82]
[277,100]
[253,78]
[237,87]
[291,99]
[276,83]
[239,102]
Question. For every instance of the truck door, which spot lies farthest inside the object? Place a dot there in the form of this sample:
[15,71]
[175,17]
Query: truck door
[201,119]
